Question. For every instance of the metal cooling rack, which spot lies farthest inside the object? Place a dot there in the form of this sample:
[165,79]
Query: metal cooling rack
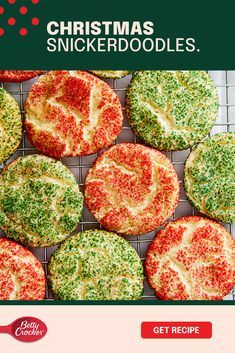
[225,82]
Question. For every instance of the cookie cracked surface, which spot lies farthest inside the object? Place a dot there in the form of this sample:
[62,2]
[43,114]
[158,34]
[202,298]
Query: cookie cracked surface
[21,274]
[10,125]
[172,110]
[131,189]
[192,258]
[40,201]
[72,113]
[209,177]
[96,265]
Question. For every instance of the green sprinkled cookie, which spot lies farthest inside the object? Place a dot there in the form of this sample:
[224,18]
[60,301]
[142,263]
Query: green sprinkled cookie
[40,201]
[209,177]
[96,265]
[172,110]
[110,73]
[10,125]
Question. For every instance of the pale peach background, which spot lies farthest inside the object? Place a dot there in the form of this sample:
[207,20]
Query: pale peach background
[116,329]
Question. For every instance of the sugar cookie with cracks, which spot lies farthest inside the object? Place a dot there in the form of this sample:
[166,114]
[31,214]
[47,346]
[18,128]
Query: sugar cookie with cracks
[96,265]
[192,258]
[18,75]
[72,113]
[131,189]
[209,177]
[21,274]
[172,110]
[40,201]
[10,125]
[110,73]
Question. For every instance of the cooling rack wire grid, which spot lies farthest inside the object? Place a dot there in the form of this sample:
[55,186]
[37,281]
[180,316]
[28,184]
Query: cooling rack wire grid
[225,82]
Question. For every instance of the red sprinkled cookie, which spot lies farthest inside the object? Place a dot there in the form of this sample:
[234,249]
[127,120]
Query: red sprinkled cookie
[21,274]
[17,75]
[132,189]
[192,258]
[72,113]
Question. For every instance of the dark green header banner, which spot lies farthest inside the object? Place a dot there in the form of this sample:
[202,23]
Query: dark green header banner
[72,35]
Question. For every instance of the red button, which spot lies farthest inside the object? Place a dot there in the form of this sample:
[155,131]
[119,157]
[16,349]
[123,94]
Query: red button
[176,329]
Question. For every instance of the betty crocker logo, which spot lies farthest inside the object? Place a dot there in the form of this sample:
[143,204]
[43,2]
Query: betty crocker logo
[18,15]
[26,329]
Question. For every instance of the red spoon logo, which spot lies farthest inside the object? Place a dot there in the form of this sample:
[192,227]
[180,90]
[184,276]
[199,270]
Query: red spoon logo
[26,329]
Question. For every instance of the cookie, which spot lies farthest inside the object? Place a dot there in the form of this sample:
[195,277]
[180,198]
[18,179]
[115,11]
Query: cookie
[40,201]
[131,189]
[96,265]
[72,113]
[10,125]
[110,73]
[18,75]
[209,177]
[21,274]
[172,110]
[191,258]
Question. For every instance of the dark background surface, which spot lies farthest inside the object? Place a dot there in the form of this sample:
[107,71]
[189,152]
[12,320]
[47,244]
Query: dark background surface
[212,25]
